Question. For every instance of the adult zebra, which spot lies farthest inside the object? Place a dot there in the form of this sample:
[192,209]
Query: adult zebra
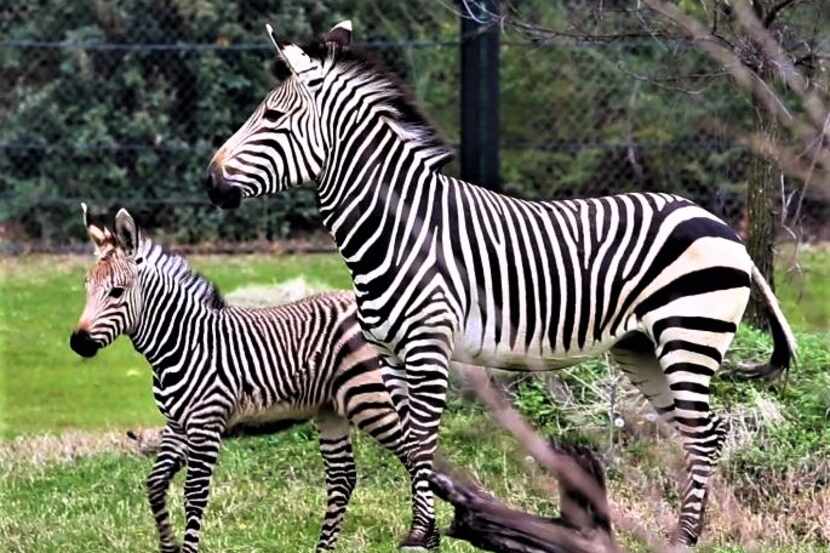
[222,370]
[444,270]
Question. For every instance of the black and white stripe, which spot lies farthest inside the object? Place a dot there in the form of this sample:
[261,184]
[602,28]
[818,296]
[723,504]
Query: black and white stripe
[444,270]
[220,370]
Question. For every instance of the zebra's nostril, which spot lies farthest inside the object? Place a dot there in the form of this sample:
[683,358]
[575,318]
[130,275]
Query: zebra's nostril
[82,344]
[222,194]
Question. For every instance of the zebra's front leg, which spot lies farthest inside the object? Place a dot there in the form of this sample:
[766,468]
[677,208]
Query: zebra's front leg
[427,361]
[341,476]
[202,454]
[394,379]
[170,459]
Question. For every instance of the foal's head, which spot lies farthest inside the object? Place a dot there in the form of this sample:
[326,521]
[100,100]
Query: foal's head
[113,297]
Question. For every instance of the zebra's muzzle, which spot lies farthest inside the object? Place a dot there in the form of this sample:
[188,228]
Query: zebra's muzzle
[222,194]
[82,344]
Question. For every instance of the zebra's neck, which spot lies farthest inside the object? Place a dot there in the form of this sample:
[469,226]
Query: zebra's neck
[372,179]
[173,321]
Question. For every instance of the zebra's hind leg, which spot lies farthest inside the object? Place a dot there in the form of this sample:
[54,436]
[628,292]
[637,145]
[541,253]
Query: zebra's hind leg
[689,359]
[675,379]
[341,475]
[170,459]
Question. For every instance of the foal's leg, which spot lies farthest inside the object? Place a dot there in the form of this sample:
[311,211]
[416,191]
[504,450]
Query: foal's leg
[393,374]
[371,410]
[170,459]
[341,475]
[203,443]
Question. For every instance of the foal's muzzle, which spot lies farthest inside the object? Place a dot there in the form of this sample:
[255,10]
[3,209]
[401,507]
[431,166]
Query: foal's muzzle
[221,193]
[83,344]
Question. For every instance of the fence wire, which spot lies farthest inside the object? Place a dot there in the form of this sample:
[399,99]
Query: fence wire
[124,105]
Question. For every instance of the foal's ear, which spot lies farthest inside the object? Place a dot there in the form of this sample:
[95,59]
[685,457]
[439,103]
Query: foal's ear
[340,35]
[100,238]
[127,232]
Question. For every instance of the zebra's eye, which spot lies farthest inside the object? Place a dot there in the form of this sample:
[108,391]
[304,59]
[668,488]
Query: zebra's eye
[272,115]
[116,292]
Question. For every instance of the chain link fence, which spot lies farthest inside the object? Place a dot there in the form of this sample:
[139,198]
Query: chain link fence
[124,105]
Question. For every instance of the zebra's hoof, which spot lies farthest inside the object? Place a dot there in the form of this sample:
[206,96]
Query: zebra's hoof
[421,541]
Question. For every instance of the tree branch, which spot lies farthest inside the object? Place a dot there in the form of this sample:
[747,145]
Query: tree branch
[773,13]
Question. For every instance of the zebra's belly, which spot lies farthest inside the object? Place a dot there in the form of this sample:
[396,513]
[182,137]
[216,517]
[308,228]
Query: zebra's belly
[252,414]
[538,358]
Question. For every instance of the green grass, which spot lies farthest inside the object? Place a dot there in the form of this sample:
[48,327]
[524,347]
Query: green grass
[805,294]
[267,495]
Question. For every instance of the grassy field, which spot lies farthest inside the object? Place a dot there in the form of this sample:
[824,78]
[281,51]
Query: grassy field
[804,287]
[269,492]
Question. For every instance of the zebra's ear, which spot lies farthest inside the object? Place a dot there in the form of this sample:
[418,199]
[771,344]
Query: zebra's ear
[294,57]
[340,35]
[126,232]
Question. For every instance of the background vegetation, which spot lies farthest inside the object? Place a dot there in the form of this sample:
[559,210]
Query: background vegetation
[123,104]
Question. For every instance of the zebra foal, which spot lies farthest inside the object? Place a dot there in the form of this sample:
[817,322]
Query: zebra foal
[444,270]
[220,370]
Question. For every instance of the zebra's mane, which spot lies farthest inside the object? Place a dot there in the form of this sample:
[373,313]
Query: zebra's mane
[402,106]
[177,267]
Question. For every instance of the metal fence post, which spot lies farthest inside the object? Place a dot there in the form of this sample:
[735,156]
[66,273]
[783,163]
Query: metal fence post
[480,94]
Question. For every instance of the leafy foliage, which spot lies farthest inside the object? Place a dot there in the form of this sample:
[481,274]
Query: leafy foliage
[135,125]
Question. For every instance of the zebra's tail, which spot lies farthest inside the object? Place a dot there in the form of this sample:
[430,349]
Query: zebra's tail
[784,346]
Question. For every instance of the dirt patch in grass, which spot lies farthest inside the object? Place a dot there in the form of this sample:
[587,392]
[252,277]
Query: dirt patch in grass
[641,504]
[76,444]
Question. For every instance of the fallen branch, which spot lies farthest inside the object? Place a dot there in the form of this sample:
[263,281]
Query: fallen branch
[584,525]
[484,521]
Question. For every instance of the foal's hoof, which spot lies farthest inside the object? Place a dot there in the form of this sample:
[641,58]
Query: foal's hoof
[679,543]
[421,541]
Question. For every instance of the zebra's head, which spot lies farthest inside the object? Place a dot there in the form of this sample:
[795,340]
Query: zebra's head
[284,142]
[113,297]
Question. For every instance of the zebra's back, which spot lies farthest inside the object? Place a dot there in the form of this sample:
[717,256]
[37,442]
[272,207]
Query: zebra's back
[547,284]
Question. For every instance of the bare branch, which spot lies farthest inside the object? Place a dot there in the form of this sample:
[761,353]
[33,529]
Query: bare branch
[481,519]
[773,13]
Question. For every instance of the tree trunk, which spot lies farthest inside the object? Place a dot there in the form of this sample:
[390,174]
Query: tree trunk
[762,215]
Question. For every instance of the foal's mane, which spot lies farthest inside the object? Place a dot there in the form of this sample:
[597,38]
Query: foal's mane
[177,267]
